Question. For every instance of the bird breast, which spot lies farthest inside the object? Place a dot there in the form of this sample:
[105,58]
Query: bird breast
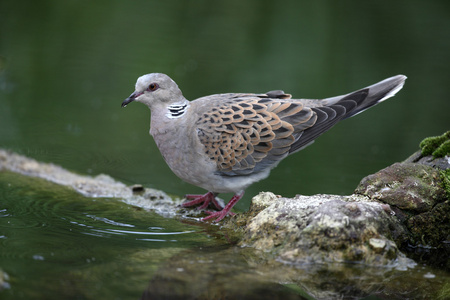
[181,149]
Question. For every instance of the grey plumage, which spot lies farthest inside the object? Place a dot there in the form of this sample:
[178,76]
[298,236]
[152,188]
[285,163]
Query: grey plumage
[225,142]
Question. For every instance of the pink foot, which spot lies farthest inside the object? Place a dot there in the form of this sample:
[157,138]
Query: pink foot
[219,215]
[205,199]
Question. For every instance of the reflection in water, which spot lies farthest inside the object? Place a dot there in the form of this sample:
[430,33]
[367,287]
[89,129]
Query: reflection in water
[239,273]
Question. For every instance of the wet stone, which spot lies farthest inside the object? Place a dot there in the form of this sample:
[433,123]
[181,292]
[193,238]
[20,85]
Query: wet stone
[325,228]
[408,186]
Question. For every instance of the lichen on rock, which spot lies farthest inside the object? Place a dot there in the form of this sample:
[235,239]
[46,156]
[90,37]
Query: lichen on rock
[407,186]
[325,228]
[418,190]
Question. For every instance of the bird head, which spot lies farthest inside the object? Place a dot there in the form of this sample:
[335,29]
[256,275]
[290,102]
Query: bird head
[153,89]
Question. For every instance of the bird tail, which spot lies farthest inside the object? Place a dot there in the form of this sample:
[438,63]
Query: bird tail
[332,110]
[369,96]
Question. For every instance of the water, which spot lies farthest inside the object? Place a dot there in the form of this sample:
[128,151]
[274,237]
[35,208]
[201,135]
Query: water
[55,242]
[65,68]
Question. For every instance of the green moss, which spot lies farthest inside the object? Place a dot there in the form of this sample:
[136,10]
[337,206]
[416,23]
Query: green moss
[445,176]
[442,150]
[438,146]
[444,293]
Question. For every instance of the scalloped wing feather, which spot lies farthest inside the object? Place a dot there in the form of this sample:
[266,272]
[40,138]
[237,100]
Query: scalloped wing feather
[248,133]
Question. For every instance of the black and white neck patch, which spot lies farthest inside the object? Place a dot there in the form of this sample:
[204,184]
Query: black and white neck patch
[176,110]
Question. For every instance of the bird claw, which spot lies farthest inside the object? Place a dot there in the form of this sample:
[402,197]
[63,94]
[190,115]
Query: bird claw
[219,214]
[211,197]
[205,199]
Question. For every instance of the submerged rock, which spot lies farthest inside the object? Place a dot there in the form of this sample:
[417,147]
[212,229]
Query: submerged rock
[4,280]
[246,273]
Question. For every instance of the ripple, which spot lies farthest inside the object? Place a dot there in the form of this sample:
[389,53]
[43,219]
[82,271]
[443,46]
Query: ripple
[42,223]
[108,221]
[103,227]
[111,232]
[29,202]
[150,233]
[156,240]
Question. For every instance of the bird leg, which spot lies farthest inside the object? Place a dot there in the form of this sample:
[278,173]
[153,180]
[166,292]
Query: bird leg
[206,199]
[226,210]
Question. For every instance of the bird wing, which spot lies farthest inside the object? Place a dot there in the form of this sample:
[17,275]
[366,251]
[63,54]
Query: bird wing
[246,133]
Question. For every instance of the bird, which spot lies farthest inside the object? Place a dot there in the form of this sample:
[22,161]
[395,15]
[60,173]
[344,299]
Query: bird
[225,142]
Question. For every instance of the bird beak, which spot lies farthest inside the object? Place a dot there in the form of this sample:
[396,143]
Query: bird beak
[130,99]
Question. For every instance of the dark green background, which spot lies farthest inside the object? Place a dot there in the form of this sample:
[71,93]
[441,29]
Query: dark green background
[66,66]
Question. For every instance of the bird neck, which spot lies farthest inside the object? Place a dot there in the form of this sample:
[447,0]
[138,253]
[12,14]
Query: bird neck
[168,118]
[177,110]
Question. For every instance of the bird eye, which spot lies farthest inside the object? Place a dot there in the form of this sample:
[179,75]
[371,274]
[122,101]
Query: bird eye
[152,87]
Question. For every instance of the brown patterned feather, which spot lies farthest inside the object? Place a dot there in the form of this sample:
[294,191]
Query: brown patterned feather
[247,132]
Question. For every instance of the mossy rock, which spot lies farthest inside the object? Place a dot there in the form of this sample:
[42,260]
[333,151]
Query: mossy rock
[431,228]
[412,187]
[438,146]
[445,176]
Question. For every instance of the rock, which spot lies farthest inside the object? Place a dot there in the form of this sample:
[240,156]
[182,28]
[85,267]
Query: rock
[413,187]
[418,190]
[326,228]
[99,186]
[430,228]
[441,163]
[4,280]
